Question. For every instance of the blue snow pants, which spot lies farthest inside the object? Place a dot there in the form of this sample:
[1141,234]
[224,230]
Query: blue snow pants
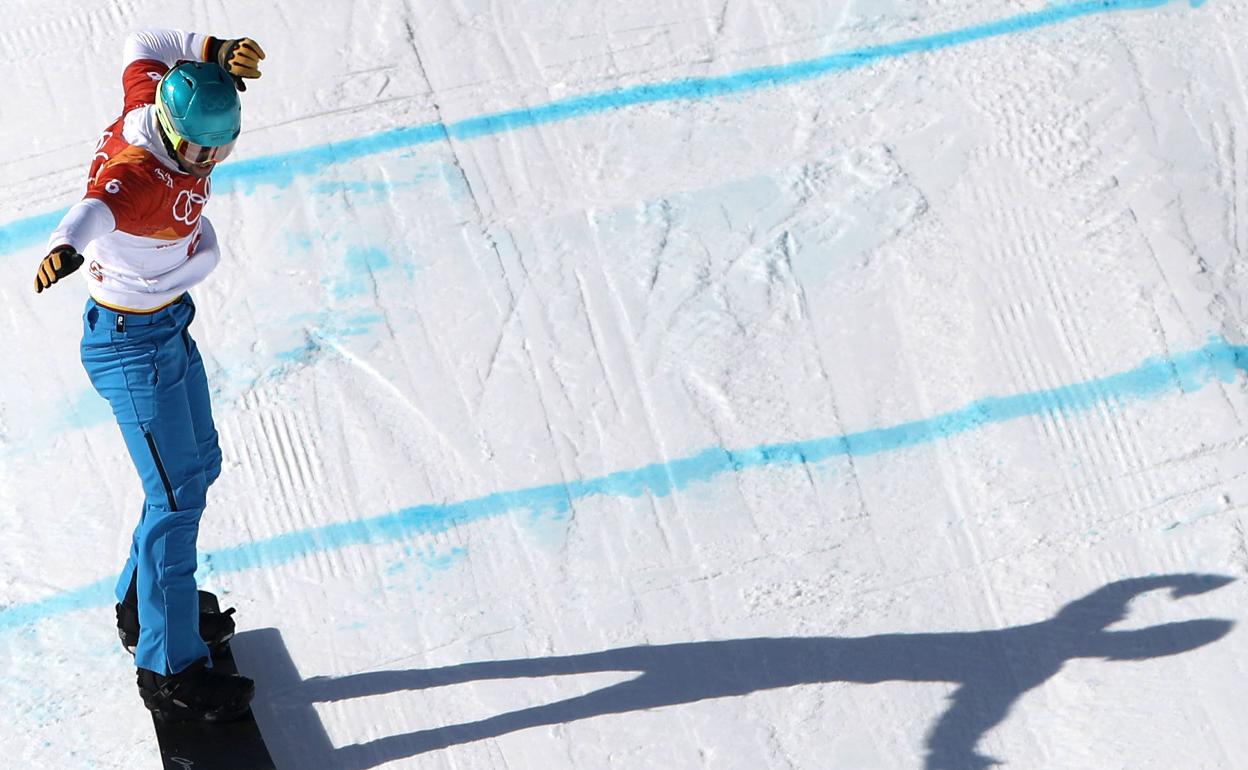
[151,373]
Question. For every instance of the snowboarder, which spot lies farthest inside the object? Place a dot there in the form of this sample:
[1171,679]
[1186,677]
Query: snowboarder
[141,230]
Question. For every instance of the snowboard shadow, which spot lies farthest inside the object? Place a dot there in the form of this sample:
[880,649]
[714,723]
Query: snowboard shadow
[992,669]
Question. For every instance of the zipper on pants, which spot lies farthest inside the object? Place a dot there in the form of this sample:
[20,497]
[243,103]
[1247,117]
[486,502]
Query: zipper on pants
[160,468]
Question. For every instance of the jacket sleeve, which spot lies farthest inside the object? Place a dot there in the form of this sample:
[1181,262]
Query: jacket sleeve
[149,53]
[84,222]
[167,46]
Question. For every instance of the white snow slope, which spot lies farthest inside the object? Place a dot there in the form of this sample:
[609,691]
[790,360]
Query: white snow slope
[683,384]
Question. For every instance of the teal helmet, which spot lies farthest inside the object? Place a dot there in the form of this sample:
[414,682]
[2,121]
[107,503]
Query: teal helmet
[198,108]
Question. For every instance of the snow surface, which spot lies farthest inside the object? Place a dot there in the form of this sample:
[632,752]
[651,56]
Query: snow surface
[769,394]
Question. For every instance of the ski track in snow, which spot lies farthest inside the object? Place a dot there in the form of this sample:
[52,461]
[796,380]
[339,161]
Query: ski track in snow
[719,311]
[1192,371]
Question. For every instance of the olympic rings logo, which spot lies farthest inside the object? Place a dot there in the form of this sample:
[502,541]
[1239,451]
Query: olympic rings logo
[188,207]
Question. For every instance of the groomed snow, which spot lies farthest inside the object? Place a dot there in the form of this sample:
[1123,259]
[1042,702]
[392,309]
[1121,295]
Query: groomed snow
[690,384]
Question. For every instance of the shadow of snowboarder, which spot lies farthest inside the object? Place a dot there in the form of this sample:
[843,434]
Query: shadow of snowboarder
[992,669]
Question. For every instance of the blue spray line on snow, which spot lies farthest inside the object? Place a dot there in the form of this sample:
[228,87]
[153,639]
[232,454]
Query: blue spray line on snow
[282,168]
[1186,372]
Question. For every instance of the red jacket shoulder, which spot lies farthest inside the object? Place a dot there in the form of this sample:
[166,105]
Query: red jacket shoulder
[139,81]
[130,184]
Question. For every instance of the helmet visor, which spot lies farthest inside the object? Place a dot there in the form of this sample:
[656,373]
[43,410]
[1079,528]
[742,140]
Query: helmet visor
[199,154]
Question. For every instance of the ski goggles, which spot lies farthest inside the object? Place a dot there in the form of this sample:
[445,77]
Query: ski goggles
[199,154]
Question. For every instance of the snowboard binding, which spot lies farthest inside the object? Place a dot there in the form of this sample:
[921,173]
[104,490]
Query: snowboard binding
[216,627]
[196,694]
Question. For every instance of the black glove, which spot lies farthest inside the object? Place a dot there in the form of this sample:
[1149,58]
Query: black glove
[240,57]
[59,263]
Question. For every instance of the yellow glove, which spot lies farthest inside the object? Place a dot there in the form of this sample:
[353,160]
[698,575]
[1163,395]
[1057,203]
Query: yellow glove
[59,263]
[240,57]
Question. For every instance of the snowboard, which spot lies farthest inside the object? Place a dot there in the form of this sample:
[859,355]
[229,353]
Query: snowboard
[213,746]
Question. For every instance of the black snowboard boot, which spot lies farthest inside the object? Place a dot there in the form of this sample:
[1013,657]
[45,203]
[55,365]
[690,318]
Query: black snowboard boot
[197,694]
[215,626]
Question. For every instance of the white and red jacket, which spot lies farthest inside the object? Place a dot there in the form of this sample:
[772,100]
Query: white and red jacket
[141,226]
